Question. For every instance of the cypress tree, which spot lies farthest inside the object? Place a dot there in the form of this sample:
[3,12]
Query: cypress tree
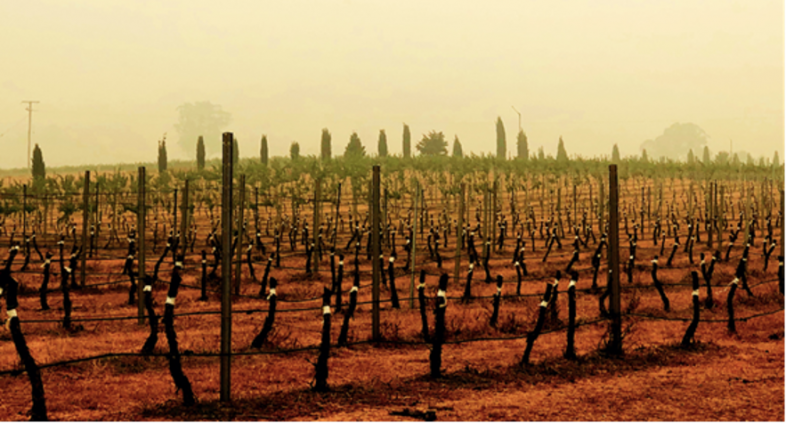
[541,154]
[200,153]
[327,148]
[562,155]
[263,150]
[457,151]
[294,151]
[776,160]
[706,160]
[691,157]
[162,160]
[644,157]
[501,145]
[382,145]
[615,154]
[39,168]
[522,147]
[406,143]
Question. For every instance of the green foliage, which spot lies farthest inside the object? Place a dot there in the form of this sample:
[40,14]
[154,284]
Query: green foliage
[541,154]
[691,157]
[562,155]
[382,144]
[706,156]
[162,159]
[201,119]
[294,151]
[433,144]
[406,141]
[522,147]
[644,157]
[200,153]
[327,147]
[776,161]
[457,151]
[501,143]
[615,154]
[263,150]
[354,148]
[39,168]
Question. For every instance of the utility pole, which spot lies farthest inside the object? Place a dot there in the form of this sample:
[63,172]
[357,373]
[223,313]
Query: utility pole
[29,128]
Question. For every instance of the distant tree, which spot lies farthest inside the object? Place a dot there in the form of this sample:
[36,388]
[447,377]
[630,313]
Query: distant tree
[354,148]
[433,144]
[457,151]
[522,147]
[735,160]
[406,145]
[39,168]
[691,158]
[644,157]
[706,156]
[615,154]
[382,144]
[762,161]
[541,154]
[722,158]
[201,119]
[501,144]
[776,160]
[562,155]
[162,160]
[749,161]
[200,153]
[327,148]
[294,151]
[676,140]
[263,150]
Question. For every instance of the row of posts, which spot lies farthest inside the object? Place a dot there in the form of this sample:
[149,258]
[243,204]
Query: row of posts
[615,345]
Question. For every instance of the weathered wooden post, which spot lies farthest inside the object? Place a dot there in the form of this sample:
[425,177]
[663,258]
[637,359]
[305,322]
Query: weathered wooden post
[459,237]
[85,218]
[375,252]
[317,209]
[140,225]
[414,247]
[615,345]
[240,233]
[226,268]
[184,218]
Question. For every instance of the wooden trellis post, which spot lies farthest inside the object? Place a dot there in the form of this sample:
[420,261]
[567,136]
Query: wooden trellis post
[414,247]
[140,224]
[315,229]
[226,268]
[85,219]
[615,343]
[240,232]
[458,236]
[375,251]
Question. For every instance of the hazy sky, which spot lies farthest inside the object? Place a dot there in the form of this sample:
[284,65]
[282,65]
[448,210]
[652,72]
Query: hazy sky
[110,74]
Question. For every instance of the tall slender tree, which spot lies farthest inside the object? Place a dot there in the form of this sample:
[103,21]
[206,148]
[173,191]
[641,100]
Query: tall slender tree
[294,151]
[457,150]
[162,159]
[562,155]
[615,154]
[522,147]
[263,150]
[406,142]
[200,153]
[327,147]
[541,153]
[39,168]
[706,156]
[382,145]
[644,157]
[691,157]
[776,160]
[501,144]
